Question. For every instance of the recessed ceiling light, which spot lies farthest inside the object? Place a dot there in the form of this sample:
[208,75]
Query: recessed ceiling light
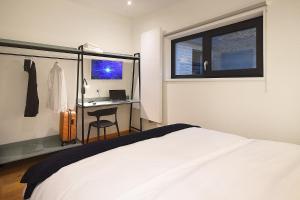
[129,3]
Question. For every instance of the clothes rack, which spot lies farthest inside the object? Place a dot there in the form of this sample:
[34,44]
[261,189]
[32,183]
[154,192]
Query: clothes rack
[80,53]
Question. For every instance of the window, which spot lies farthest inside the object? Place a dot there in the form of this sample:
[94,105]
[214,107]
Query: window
[189,57]
[235,50]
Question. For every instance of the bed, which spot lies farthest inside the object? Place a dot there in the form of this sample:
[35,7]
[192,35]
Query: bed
[174,162]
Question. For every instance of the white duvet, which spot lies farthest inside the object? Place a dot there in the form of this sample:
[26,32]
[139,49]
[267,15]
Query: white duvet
[193,163]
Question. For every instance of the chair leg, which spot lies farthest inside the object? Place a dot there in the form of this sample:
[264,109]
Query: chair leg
[98,133]
[88,137]
[104,133]
[117,125]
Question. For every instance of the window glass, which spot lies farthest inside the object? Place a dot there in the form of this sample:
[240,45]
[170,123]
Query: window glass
[189,57]
[234,51]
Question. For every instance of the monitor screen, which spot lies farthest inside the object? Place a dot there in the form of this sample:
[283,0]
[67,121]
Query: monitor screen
[106,69]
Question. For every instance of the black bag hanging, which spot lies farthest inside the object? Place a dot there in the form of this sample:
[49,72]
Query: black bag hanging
[32,100]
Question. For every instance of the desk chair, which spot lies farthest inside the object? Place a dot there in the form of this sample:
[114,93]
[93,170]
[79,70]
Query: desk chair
[103,123]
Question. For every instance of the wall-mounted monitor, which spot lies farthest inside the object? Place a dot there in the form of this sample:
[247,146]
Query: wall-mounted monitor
[106,69]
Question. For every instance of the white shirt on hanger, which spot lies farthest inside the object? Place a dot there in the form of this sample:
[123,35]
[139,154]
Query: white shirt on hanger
[57,100]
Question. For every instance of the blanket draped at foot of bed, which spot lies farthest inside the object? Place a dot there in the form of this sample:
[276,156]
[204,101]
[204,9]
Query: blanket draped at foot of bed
[41,171]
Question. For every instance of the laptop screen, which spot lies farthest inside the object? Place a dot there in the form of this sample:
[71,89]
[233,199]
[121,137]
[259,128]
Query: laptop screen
[117,94]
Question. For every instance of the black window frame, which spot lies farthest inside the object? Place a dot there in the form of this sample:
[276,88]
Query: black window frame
[207,36]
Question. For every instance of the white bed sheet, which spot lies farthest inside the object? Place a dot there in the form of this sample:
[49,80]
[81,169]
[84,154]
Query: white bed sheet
[193,163]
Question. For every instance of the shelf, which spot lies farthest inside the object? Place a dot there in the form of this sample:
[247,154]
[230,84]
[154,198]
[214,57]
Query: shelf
[37,46]
[31,148]
[61,49]
[111,55]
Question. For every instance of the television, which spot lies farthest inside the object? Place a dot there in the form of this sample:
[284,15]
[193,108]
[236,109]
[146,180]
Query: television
[106,69]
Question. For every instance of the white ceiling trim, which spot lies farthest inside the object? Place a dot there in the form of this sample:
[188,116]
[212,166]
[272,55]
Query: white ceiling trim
[137,9]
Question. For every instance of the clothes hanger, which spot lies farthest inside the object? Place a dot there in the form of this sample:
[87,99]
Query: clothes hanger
[27,64]
[56,62]
[32,59]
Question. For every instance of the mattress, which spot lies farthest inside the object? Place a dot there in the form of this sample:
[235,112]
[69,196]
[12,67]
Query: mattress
[192,163]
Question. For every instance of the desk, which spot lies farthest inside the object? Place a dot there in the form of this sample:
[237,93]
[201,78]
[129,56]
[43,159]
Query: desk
[107,103]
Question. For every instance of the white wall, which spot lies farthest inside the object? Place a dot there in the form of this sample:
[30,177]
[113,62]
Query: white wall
[241,107]
[58,22]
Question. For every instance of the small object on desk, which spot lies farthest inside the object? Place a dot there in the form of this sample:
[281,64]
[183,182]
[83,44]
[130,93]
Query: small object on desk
[117,95]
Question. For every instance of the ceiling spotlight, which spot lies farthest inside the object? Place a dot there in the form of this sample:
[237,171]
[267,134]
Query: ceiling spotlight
[129,3]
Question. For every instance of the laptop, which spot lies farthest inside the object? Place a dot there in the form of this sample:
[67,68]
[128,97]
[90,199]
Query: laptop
[117,95]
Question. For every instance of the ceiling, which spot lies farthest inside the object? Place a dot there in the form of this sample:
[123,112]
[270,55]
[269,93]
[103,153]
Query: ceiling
[137,9]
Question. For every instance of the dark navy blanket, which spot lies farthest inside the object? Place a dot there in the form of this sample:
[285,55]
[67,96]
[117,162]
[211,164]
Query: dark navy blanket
[41,171]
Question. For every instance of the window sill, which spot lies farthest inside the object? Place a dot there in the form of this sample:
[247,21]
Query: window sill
[214,79]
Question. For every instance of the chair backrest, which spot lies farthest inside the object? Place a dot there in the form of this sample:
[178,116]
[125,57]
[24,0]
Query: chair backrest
[103,112]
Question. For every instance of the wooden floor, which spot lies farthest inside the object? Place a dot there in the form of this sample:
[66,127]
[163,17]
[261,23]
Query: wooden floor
[11,174]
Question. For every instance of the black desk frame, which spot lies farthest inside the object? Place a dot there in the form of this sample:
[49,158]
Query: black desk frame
[80,69]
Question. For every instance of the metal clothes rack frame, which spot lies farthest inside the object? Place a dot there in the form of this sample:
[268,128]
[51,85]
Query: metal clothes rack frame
[80,69]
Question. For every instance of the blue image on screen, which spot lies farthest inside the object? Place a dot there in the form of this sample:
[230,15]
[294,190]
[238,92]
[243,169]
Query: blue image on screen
[106,69]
